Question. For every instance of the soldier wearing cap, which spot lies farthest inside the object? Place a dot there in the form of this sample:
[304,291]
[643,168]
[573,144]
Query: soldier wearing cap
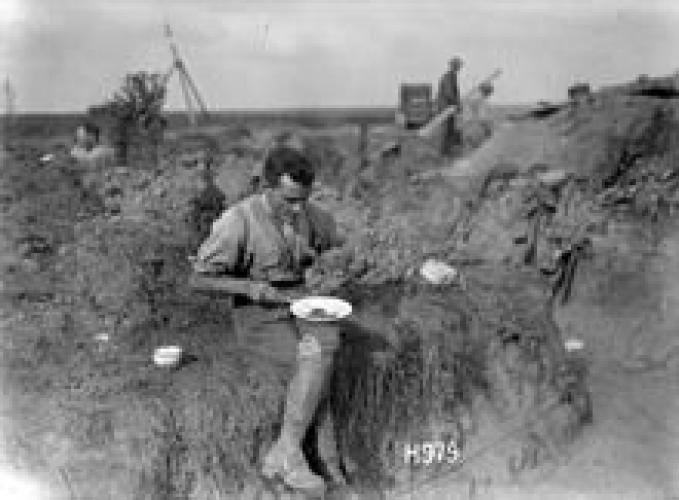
[87,149]
[86,138]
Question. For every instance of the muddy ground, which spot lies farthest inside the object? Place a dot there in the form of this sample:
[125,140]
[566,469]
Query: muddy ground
[92,252]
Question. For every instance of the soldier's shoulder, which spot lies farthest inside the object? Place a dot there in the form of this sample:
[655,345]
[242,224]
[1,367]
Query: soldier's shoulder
[247,203]
[238,210]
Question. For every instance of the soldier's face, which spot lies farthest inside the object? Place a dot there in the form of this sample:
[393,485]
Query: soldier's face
[289,197]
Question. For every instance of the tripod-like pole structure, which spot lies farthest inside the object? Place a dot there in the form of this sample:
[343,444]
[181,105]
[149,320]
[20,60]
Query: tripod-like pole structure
[189,89]
[9,98]
[9,108]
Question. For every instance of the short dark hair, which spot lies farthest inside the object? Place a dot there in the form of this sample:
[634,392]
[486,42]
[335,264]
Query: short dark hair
[284,160]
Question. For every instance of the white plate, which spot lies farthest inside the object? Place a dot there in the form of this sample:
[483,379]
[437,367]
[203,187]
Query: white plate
[574,344]
[331,306]
[438,272]
[168,355]
[102,337]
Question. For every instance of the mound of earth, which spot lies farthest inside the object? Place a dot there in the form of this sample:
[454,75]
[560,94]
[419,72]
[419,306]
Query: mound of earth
[98,278]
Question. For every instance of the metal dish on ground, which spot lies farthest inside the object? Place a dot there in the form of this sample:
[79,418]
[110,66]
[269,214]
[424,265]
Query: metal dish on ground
[167,356]
[574,345]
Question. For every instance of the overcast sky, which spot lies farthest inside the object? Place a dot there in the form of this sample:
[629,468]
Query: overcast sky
[63,55]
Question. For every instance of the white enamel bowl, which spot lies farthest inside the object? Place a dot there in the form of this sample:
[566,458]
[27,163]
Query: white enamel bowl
[167,356]
[574,344]
[333,309]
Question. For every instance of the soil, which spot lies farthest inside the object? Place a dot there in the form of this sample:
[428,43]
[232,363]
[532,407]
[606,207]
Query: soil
[622,310]
[68,436]
[631,450]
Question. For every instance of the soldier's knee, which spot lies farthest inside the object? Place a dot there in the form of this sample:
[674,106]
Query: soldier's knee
[309,348]
[318,347]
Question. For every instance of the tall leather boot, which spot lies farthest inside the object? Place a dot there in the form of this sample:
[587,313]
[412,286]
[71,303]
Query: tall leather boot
[285,460]
[327,445]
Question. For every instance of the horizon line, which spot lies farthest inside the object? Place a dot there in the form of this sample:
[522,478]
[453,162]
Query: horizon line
[260,110]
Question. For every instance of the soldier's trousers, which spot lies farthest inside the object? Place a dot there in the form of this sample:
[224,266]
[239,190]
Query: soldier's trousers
[279,339]
[452,137]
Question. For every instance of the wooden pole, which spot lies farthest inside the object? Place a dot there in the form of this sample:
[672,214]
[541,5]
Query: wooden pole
[188,86]
[363,144]
[9,111]
[187,99]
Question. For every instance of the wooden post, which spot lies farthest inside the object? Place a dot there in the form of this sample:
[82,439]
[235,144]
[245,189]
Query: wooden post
[363,145]
[10,97]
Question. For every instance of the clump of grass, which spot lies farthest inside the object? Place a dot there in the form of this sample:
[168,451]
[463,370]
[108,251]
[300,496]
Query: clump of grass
[215,424]
[446,344]
[432,373]
[200,432]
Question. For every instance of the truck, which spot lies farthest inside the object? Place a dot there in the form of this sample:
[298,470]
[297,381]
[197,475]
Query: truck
[416,106]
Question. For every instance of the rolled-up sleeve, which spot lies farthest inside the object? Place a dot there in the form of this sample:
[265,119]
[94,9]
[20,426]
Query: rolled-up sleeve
[220,252]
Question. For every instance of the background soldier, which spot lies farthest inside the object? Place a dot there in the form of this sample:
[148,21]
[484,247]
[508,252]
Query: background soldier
[86,138]
[449,95]
[88,150]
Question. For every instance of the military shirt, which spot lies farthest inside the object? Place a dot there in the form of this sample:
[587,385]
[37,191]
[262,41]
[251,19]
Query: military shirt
[248,241]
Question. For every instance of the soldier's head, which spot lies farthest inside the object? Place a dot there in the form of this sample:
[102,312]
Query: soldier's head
[288,176]
[455,64]
[87,135]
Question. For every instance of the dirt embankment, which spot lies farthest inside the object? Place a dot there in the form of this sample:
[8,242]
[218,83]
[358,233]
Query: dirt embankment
[105,253]
[619,191]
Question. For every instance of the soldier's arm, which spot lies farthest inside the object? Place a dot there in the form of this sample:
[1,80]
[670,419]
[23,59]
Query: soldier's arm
[254,290]
[218,260]
[224,283]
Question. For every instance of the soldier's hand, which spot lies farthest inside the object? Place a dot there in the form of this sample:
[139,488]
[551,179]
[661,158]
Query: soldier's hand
[263,292]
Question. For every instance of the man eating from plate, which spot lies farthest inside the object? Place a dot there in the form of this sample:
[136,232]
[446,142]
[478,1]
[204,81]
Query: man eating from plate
[257,251]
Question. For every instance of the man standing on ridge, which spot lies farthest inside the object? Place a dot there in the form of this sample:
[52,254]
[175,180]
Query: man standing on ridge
[449,95]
